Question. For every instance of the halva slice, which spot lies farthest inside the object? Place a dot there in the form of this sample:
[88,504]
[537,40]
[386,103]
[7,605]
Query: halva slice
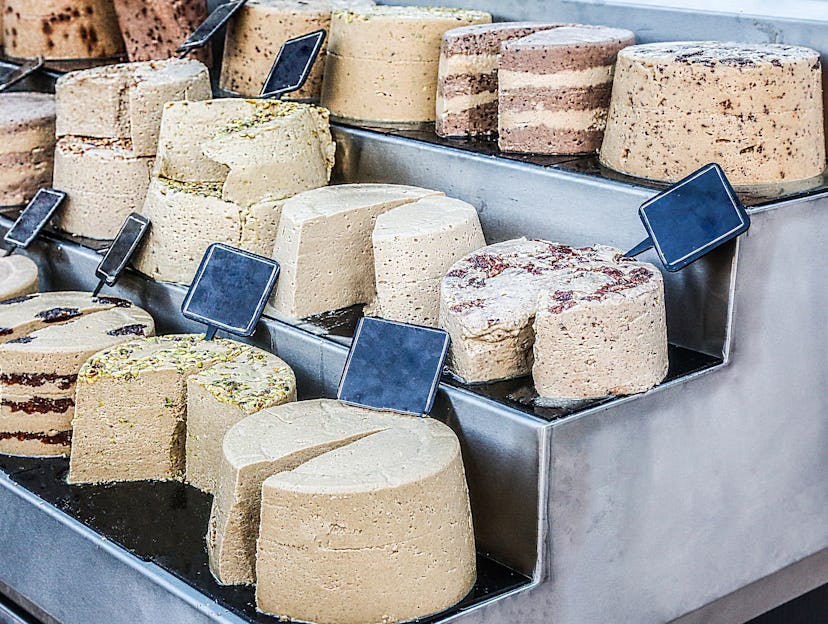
[131,414]
[324,249]
[153,29]
[273,440]
[18,276]
[554,89]
[46,338]
[126,101]
[223,395]
[414,246]
[378,530]
[489,301]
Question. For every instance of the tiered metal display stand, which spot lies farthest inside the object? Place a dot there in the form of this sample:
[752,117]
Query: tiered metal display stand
[703,500]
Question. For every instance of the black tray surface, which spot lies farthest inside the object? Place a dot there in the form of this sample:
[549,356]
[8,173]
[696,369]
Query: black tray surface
[164,522]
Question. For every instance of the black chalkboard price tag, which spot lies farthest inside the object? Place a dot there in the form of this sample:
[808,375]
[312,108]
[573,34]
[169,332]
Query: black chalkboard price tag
[692,218]
[293,64]
[21,73]
[230,290]
[35,215]
[118,255]
[208,28]
[394,366]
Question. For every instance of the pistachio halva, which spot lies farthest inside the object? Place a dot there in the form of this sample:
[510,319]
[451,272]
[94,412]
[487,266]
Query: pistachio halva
[46,339]
[333,491]
[131,416]
[27,130]
[756,109]
[339,220]
[382,61]
[257,32]
[109,118]
[554,89]
[18,277]
[61,30]
[222,169]
[414,246]
[153,29]
[467,76]
[601,312]
[223,395]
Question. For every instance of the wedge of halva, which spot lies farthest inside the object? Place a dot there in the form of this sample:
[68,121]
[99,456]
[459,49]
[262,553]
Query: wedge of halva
[223,395]
[18,276]
[390,510]
[324,247]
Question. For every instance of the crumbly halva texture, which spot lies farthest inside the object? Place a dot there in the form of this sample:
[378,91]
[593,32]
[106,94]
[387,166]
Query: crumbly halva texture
[362,519]
[189,216]
[133,401]
[126,101]
[467,76]
[57,29]
[27,130]
[554,89]
[153,29]
[18,277]
[104,182]
[130,417]
[257,152]
[339,220]
[405,492]
[414,246]
[609,315]
[259,29]
[382,61]
[223,395]
[45,340]
[756,109]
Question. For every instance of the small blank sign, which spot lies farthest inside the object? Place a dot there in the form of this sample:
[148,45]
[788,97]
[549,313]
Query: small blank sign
[208,28]
[230,289]
[394,366]
[693,217]
[293,64]
[34,216]
[124,245]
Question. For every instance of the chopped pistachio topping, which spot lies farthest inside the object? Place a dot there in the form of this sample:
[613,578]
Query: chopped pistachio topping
[181,353]
[205,189]
[253,381]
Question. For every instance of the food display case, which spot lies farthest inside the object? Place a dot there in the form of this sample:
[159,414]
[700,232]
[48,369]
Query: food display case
[700,500]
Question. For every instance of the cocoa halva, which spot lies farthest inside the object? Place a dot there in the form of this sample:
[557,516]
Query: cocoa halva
[467,76]
[46,339]
[554,89]
[602,312]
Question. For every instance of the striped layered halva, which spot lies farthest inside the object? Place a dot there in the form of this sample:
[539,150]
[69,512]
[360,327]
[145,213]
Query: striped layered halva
[554,89]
